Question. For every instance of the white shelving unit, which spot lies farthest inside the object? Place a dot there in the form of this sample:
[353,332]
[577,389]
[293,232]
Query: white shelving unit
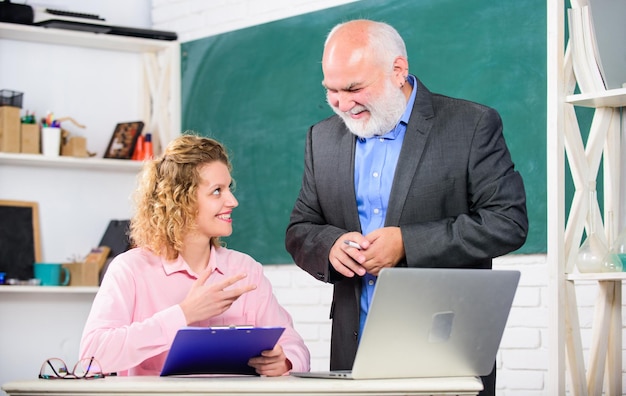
[77,197]
[40,322]
[13,289]
[99,80]
[601,371]
[44,35]
[159,95]
[35,160]
[75,71]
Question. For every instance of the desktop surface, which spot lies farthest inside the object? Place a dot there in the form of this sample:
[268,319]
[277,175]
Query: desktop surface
[243,385]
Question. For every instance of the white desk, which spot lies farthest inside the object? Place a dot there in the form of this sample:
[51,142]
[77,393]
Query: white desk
[154,386]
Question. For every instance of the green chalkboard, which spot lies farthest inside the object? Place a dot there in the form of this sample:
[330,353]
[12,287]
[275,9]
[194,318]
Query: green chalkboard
[258,90]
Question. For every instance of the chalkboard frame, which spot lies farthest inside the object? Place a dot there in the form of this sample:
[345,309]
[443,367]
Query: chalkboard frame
[21,270]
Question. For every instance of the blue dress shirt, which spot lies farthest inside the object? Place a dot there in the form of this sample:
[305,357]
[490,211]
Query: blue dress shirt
[374,167]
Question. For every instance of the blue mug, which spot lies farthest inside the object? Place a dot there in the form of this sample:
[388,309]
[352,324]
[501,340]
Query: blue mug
[52,274]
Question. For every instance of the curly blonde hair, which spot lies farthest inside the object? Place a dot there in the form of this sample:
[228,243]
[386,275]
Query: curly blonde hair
[166,198]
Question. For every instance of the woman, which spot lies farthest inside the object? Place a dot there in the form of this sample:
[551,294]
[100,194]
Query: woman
[180,274]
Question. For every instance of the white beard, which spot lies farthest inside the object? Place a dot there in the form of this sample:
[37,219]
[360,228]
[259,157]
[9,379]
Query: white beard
[385,112]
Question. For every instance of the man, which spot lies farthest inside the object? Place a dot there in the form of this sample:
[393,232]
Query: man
[400,177]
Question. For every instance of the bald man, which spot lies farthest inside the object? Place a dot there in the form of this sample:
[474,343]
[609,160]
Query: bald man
[399,177]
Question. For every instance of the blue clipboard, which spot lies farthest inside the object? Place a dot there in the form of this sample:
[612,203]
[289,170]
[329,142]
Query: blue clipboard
[218,350]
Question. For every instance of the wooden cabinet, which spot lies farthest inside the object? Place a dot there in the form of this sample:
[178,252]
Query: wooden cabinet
[599,370]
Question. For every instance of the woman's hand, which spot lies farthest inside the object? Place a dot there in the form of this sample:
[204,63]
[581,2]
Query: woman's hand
[206,301]
[271,363]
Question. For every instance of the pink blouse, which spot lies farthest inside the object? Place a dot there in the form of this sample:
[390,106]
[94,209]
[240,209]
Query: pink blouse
[135,314]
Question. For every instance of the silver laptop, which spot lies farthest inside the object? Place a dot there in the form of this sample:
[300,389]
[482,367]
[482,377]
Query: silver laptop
[428,322]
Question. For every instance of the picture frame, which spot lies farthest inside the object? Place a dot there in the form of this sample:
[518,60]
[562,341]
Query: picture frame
[20,243]
[124,139]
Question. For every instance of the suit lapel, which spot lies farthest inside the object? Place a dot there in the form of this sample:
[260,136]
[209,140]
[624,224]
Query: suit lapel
[415,138]
[345,171]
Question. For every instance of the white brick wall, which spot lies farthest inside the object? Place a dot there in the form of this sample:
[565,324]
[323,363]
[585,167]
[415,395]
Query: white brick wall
[524,354]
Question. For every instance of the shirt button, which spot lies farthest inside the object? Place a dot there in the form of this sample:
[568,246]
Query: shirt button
[381,139]
[375,174]
[376,211]
[370,282]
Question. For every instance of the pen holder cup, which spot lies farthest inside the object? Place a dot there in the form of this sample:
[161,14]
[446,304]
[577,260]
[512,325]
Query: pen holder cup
[51,141]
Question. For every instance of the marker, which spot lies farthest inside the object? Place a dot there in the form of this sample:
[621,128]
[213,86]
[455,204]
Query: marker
[352,244]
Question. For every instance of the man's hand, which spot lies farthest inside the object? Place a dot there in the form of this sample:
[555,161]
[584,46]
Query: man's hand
[345,258]
[386,249]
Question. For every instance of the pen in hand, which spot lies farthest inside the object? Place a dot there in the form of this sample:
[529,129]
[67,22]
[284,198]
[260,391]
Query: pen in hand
[352,244]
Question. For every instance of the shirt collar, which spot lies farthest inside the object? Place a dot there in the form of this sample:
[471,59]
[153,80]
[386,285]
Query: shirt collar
[180,265]
[404,120]
[409,105]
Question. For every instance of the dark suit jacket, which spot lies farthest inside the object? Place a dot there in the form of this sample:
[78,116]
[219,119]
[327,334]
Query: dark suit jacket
[456,197]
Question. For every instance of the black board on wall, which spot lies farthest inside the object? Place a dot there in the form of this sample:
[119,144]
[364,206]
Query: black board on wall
[258,90]
[19,239]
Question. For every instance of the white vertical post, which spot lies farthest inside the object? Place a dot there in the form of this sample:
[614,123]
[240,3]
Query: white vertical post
[556,196]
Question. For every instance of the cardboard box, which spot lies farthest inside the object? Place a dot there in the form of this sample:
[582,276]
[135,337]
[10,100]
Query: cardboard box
[83,274]
[10,129]
[75,146]
[30,139]
[88,273]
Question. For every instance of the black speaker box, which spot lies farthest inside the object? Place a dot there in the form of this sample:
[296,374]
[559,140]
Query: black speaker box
[16,13]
